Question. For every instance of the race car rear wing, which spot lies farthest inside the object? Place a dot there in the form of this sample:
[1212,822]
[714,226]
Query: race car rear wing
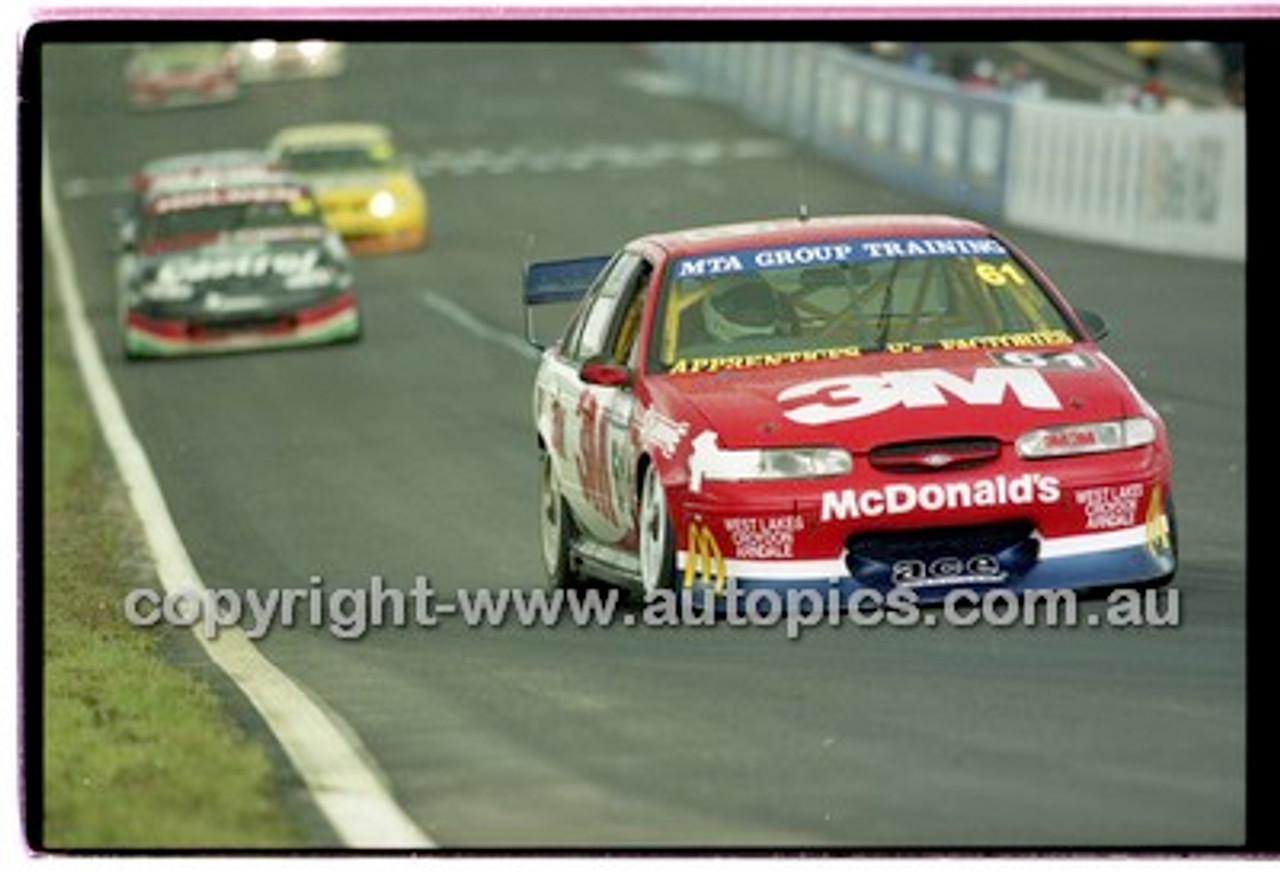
[551,282]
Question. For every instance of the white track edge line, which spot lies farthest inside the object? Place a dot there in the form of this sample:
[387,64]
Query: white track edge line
[453,311]
[351,795]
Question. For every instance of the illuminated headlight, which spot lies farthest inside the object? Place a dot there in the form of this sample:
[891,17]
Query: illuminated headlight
[779,464]
[312,50]
[263,50]
[382,204]
[1103,436]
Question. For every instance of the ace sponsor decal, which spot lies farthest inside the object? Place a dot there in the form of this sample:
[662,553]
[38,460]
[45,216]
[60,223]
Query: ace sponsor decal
[947,570]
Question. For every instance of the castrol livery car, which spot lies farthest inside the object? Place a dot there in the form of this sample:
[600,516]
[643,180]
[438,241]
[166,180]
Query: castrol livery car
[368,192]
[191,171]
[167,75]
[231,266]
[848,405]
[199,167]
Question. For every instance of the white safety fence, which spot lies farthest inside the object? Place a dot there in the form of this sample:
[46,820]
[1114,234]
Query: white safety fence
[1167,182]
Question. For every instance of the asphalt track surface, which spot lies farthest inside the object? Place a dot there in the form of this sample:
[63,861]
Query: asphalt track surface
[412,454]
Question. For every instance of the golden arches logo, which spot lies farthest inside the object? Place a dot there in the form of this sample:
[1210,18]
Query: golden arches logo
[1158,536]
[703,557]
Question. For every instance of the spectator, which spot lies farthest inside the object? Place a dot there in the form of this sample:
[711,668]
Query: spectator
[1018,80]
[1149,54]
[1231,55]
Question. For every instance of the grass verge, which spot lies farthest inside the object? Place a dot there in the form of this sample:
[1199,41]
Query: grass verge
[138,753]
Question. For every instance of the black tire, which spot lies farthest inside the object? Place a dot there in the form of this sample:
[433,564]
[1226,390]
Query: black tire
[657,537]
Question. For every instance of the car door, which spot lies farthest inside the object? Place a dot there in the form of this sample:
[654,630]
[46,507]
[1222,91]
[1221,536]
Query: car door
[596,403]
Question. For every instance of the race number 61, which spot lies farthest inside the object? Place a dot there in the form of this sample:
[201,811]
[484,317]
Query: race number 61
[999,275]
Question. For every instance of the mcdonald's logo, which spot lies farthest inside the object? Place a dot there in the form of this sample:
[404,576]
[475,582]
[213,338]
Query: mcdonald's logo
[704,558]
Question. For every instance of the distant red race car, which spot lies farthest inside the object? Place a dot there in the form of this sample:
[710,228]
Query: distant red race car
[171,75]
[843,405]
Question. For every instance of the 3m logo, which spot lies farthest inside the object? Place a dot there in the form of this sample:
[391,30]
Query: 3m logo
[848,397]
[703,558]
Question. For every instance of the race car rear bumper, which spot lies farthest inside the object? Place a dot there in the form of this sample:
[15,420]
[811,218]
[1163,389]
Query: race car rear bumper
[335,320]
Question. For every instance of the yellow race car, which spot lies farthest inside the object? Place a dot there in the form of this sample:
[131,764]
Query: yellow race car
[367,191]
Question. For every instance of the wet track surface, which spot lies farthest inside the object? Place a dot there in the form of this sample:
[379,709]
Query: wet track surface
[412,454]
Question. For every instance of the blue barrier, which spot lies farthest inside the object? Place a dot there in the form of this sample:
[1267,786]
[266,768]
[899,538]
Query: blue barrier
[908,129]
[1172,182]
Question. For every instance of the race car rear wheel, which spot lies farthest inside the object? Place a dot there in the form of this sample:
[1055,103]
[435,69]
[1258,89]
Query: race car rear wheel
[557,527]
[657,536]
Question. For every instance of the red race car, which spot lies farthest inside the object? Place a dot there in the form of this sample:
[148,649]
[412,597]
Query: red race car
[848,405]
[171,75]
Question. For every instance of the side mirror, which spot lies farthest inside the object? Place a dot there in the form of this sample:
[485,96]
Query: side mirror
[1093,323]
[606,375]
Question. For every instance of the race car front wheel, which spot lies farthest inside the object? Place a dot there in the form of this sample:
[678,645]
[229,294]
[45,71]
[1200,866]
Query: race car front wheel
[556,525]
[657,545]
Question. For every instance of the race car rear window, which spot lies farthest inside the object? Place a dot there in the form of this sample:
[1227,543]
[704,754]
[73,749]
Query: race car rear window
[847,298]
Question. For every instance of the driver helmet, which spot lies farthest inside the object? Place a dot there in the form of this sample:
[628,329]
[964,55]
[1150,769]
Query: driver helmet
[746,307]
